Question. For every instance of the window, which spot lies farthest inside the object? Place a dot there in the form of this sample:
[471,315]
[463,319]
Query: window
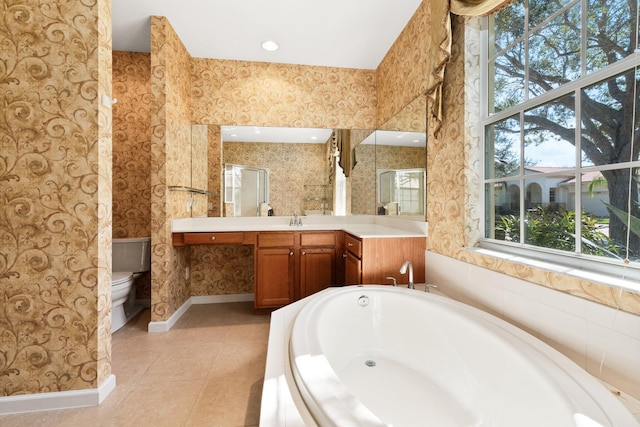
[402,191]
[562,130]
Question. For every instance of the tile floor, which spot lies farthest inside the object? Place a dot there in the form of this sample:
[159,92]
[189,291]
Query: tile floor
[206,371]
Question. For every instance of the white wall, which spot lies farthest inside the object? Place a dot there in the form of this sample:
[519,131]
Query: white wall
[585,331]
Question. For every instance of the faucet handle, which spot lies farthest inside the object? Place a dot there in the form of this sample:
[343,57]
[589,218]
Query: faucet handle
[395,282]
[427,286]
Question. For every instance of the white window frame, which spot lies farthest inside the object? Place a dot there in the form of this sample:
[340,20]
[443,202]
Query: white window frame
[566,262]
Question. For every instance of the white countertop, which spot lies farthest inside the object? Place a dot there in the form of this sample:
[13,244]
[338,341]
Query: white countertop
[362,226]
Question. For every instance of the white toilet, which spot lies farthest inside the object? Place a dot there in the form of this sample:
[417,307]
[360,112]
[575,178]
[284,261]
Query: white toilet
[130,258]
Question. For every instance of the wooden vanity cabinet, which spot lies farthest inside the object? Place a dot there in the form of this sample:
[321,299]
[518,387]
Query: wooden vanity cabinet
[292,265]
[372,260]
[352,259]
[317,262]
[275,268]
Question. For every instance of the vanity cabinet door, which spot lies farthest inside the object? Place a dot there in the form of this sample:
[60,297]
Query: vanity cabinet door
[275,273]
[317,269]
[352,269]
[352,260]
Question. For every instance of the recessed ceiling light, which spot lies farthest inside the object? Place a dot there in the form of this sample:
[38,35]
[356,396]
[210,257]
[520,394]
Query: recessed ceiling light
[270,45]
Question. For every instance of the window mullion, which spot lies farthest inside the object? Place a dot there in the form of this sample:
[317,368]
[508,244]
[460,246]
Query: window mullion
[522,183]
[526,50]
[583,43]
[578,189]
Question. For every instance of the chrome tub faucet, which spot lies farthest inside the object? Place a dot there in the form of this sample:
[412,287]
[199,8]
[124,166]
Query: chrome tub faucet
[403,270]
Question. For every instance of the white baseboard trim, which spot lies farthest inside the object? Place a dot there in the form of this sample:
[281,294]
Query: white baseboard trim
[217,299]
[57,400]
[165,325]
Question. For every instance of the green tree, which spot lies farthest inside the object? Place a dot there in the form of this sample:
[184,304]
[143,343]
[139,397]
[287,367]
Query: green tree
[555,228]
[608,132]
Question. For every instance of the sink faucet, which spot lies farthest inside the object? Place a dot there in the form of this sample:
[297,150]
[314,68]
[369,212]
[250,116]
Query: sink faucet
[295,221]
[403,270]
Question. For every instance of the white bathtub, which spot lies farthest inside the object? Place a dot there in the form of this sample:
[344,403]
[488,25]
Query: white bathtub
[379,355]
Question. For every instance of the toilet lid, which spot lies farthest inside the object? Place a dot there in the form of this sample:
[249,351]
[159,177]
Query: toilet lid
[119,277]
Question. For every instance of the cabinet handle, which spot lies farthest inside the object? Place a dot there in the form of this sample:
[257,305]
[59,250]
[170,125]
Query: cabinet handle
[304,253]
[291,253]
[344,255]
[213,237]
[349,244]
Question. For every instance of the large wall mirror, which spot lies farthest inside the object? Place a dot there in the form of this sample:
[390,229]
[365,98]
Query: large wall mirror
[385,173]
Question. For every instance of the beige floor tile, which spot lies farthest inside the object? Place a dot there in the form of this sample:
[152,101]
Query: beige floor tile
[240,358]
[228,401]
[206,371]
[167,403]
[128,367]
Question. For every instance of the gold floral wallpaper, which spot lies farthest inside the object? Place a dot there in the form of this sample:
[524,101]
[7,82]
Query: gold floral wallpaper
[215,170]
[221,270]
[132,144]
[363,181]
[131,159]
[55,189]
[402,75]
[267,94]
[170,165]
[291,167]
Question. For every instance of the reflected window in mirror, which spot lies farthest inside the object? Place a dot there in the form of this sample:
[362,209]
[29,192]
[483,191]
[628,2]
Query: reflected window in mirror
[246,191]
[401,192]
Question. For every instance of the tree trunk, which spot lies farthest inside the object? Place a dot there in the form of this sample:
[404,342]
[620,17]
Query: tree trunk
[618,184]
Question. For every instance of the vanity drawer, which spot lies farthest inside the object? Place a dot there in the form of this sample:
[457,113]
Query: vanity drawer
[229,238]
[276,240]
[353,245]
[327,238]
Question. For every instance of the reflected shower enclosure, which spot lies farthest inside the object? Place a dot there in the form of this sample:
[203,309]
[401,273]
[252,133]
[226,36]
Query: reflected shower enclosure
[246,190]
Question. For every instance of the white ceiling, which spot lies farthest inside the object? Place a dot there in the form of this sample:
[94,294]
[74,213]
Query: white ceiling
[335,33]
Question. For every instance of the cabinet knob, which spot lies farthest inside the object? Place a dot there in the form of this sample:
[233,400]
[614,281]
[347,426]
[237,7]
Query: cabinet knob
[291,253]
[304,253]
[213,237]
[349,244]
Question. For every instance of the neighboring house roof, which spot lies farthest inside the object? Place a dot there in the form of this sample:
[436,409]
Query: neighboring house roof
[543,169]
[586,176]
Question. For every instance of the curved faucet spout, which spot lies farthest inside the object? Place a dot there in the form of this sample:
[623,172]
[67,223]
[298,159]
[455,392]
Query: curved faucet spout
[403,270]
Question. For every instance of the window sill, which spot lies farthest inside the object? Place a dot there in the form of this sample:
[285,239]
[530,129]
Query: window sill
[617,277]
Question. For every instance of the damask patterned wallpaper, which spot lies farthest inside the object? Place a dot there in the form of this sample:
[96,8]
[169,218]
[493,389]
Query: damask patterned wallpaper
[215,170]
[363,181]
[267,94]
[170,165]
[55,189]
[221,270]
[402,74]
[132,144]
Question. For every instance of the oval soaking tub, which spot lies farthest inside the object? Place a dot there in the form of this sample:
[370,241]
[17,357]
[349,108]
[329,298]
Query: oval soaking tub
[384,356]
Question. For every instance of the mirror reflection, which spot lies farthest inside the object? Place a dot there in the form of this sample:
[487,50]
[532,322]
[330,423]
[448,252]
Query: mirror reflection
[327,171]
[246,191]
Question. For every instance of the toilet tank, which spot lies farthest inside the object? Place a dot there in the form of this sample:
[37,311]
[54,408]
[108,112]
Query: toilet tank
[131,254]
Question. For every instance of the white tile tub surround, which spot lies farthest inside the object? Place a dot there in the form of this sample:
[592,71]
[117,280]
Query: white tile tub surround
[600,339]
